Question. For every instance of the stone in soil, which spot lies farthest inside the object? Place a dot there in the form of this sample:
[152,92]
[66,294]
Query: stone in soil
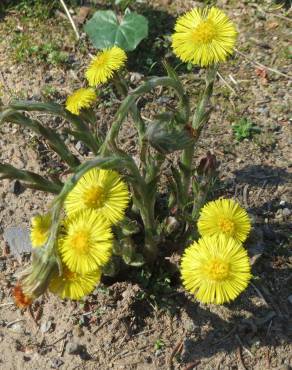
[74,348]
[18,239]
[17,188]
[56,363]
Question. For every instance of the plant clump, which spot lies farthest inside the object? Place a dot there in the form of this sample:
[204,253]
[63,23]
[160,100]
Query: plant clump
[106,215]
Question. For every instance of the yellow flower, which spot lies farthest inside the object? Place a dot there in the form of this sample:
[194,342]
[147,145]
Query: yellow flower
[40,228]
[73,285]
[204,36]
[215,269]
[102,191]
[81,98]
[224,216]
[102,67]
[87,243]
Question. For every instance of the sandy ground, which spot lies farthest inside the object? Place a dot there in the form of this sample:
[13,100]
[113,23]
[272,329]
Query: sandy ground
[124,325]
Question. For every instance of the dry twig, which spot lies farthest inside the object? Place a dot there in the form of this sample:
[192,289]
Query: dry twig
[262,65]
[70,19]
[58,340]
[177,349]
[239,355]
[260,294]
[101,326]
[191,365]
[226,83]
[6,304]
[14,322]
[241,344]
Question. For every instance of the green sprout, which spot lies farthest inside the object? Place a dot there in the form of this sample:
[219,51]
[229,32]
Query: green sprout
[159,344]
[244,129]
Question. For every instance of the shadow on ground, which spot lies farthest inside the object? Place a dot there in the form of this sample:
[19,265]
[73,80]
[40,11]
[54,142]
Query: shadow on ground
[257,175]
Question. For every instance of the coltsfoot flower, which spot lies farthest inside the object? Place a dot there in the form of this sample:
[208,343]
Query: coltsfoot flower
[102,191]
[87,244]
[73,285]
[103,66]
[224,216]
[215,269]
[81,98]
[204,36]
[40,229]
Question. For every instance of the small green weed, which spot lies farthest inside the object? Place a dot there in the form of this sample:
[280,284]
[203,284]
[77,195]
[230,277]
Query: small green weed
[156,289]
[244,129]
[159,344]
[287,52]
[25,50]
[48,91]
[41,9]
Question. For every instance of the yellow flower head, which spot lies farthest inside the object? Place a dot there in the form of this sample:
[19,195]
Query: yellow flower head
[102,191]
[102,67]
[224,216]
[204,36]
[87,243]
[73,285]
[40,228]
[81,98]
[215,269]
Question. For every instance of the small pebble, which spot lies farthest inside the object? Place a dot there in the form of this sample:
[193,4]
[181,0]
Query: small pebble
[17,188]
[286,212]
[2,268]
[73,348]
[188,348]
[56,363]
[17,328]
[46,326]
[48,78]
[81,148]
[61,80]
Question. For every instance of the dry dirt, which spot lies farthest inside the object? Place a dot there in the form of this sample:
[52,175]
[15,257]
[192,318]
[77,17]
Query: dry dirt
[127,325]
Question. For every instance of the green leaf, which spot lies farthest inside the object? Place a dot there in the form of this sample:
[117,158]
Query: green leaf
[130,256]
[33,179]
[123,4]
[59,110]
[106,30]
[166,140]
[54,139]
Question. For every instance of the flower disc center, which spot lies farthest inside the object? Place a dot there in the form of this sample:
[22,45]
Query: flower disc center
[101,61]
[80,242]
[94,197]
[226,226]
[217,270]
[204,32]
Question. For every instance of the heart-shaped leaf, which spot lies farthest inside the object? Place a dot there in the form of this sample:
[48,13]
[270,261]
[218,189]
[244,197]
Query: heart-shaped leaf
[106,30]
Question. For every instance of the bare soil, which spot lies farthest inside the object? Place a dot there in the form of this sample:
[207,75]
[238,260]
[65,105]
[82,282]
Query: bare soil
[129,325]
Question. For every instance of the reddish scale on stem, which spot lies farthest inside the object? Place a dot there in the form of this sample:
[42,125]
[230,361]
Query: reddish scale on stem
[21,300]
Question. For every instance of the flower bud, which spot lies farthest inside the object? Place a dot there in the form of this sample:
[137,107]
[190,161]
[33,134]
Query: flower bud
[172,224]
[207,165]
[167,140]
[34,281]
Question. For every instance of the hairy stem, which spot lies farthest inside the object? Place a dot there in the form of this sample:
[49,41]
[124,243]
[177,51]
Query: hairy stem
[199,119]
[130,99]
